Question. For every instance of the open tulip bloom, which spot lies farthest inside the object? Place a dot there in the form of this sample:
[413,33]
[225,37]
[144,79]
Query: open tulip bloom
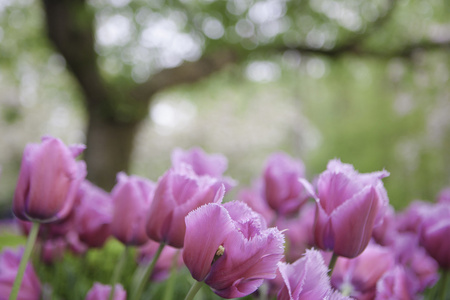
[230,249]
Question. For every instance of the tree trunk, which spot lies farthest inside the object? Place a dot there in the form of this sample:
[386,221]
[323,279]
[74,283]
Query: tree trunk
[110,145]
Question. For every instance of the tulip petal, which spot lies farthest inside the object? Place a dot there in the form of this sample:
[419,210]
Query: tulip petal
[353,221]
[206,229]
[253,259]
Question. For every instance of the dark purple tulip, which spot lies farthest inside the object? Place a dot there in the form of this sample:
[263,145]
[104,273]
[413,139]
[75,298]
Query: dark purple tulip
[213,165]
[358,277]
[282,190]
[435,234]
[101,292]
[48,181]
[305,279]
[30,289]
[349,205]
[230,249]
[394,285]
[93,215]
[132,197]
[178,192]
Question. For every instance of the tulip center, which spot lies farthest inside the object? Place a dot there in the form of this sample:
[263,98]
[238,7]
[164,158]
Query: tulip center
[346,289]
[220,251]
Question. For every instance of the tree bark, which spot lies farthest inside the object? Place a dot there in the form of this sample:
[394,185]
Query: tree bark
[110,145]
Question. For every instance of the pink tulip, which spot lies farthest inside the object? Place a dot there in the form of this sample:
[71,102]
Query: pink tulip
[48,181]
[230,249]
[348,206]
[421,269]
[282,190]
[358,277]
[101,292]
[305,279]
[30,289]
[132,196]
[213,165]
[435,234]
[93,215]
[444,196]
[178,192]
[394,285]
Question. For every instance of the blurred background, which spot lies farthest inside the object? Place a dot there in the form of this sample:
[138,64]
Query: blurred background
[363,81]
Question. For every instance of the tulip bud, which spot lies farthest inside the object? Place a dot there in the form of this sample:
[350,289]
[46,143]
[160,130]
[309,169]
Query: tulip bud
[282,190]
[178,192]
[213,165]
[93,215]
[131,197]
[48,181]
[348,206]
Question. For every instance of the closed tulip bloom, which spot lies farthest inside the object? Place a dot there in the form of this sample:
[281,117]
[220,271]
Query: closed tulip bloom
[230,249]
[282,190]
[30,289]
[305,279]
[132,196]
[178,192]
[348,206]
[213,165]
[48,181]
[101,292]
[435,233]
[93,215]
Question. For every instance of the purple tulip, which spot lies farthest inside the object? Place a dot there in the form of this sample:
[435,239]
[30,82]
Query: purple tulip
[394,285]
[30,289]
[101,292]
[421,269]
[178,192]
[358,277]
[48,181]
[53,250]
[305,279]
[93,215]
[230,249]
[213,165]
[282,190]
[435,233]
[348,206]
[132,197]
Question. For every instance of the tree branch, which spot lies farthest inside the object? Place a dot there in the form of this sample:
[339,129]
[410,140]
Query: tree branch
[188,72]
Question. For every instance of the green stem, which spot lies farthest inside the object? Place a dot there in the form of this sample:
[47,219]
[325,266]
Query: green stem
[332,264]
[118,271]
[168,293]
[148,272]
[444,284]
[194,289]
[23,262]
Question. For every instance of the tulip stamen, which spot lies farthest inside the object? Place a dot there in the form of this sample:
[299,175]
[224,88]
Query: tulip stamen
[220,251]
